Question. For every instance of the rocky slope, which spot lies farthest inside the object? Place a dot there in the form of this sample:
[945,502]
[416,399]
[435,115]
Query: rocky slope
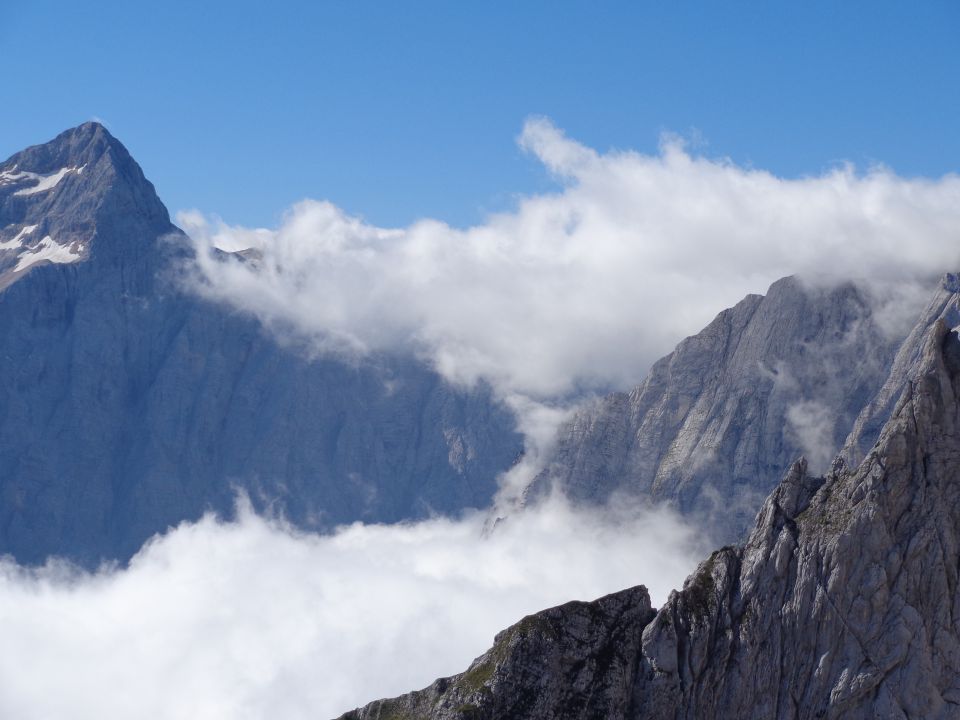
[715,422]
[127,404]
[844,602]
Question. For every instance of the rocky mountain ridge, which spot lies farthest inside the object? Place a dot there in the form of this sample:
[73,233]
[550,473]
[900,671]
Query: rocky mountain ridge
[843,602]
[715,422]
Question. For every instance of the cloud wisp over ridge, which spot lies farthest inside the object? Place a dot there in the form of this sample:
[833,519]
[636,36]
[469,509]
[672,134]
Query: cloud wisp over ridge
[252,619]
[585,287]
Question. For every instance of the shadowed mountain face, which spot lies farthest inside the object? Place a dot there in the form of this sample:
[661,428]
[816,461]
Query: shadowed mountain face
[717,420]
[844,602]
[127,404]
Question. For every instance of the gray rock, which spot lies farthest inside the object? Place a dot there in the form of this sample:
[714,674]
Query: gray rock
[580,657]
[943,305]
[128,405]
[843,603]
[715,422]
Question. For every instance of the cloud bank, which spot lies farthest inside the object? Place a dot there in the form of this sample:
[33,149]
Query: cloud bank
[253,620]
[585,287]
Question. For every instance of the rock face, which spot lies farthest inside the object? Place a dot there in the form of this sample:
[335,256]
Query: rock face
[127,404]
[843,603]
[716,421]
[943,305]
[580,657]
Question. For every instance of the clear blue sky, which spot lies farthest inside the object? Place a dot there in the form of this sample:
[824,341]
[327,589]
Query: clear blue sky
[398,110]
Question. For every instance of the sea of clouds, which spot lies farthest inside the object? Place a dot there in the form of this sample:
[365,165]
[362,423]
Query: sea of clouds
[252,619]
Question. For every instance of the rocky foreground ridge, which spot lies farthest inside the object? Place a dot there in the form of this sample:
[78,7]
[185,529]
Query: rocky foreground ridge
[842,603]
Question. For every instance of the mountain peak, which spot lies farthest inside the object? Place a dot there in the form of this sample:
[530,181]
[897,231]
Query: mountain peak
[81,145]
[77,196]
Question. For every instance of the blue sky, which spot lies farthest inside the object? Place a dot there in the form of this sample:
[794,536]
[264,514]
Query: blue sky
[396,111]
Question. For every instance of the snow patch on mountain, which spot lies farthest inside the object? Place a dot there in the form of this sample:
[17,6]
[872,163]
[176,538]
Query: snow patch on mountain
[17,240]
[49,251]
[43,182]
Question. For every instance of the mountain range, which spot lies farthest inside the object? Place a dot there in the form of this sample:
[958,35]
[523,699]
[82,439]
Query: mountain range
[815,439]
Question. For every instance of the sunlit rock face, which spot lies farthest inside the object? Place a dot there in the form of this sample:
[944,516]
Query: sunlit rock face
[127,404]
[717,420]
[843,603]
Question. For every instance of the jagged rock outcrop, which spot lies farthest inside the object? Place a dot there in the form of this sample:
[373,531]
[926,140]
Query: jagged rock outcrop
[127,404]
[715,422]
[579,656]
[843,603]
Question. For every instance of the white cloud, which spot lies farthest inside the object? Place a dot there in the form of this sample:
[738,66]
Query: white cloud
[253,620]
[812,423]
[585,287]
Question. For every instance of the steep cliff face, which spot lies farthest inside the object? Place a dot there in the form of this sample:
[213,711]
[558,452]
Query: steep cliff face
[944,305]
[127,404]
[716,421]
[844,602]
